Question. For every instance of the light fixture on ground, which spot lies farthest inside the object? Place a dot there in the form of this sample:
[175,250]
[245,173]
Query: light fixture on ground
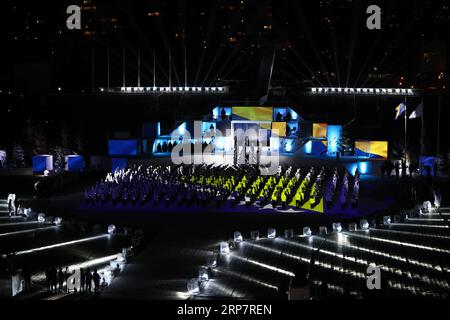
[364,224]
[58,221]
[352,227]
[289,233]
[323,230]
[307,231]
[224,247]
[427,207]
[387,220]
[203,274]
[254,235]
[41,218]
[211,261]
[271,233]
[111,229]
[337,227]
[238,237]
[193,287]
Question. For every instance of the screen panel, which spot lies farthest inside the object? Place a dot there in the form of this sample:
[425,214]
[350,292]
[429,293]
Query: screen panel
[372,149]
[252,113]
[123,147]
[280,127]
[320,130]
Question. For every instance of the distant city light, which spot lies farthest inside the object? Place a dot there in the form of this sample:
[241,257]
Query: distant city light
[363,91]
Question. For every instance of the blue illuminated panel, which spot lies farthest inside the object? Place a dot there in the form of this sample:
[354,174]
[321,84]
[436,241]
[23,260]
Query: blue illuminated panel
[123,147]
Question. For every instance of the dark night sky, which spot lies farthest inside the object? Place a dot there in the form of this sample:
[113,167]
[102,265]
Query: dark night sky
[316,43]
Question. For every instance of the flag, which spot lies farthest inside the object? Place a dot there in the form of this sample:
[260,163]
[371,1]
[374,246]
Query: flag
[400,110]
[418,112]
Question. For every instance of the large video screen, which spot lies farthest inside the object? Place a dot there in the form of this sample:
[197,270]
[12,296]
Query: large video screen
[279,127]
[372,149]
[252,113]
[320,130]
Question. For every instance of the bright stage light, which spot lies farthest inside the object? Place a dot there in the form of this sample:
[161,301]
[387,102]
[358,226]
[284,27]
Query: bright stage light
[271,233]
[337,227]
[387,220]
[224,248]
[238,237]
[307,232]
[203,274]
[41,217]
[58,221]
[58,245]
[364,224]
[364,91]
[211,261]
[111,229]
[193,287]
[171,90]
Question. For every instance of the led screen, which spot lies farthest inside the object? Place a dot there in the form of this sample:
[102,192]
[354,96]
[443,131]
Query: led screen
[252,113]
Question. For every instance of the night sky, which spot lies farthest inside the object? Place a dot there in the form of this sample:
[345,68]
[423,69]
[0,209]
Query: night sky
[316,43]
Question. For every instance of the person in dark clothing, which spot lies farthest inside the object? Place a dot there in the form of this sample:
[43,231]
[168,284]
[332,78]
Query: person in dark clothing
[82,280]
[96,278]
[60,280]
[404,169]
[397,169]
[48,279]
[16,206]
[158,148]
[88,280]
[10,207]
[53,279]
[27,278]
[279,117]
[223,114]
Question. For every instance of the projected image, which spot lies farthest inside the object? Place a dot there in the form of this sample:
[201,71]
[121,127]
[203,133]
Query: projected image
[320,130]
[279,128]
[372,149]
[252,113]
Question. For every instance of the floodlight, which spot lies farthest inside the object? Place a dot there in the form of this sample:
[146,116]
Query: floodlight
[364,224]
[271,233]
[41,217]
[203,274]
[386,220]
[211,261]
[307,231]
[337,227]
[58,221]
[193,287]
[224,248]
[111,229]
[238,237]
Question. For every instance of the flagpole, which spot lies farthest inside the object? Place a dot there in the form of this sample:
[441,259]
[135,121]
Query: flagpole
[422,140]
[406,128]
